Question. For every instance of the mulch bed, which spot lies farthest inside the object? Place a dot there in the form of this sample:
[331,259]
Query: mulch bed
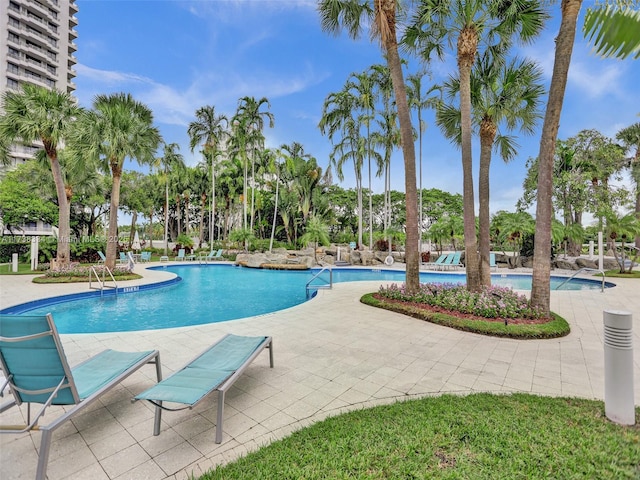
[453,313]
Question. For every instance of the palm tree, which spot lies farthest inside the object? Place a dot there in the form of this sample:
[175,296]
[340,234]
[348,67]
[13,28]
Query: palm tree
[316,231]
[541,287]
[502,94]
[210,130]
[630,137]
[343,128]
[249,123]
[468,22]
[362,85]
[348,14]
[40,115]
[117,127]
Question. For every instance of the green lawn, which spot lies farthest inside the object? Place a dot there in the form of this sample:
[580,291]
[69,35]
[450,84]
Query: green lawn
[480,436]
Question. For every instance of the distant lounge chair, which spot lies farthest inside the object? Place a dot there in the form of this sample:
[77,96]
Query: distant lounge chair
[492,262]
[455,261]
[215,369]
[36,371]
[180,255]
[211,256]
[435,265]
[145,257]
[103,259]
[123,258]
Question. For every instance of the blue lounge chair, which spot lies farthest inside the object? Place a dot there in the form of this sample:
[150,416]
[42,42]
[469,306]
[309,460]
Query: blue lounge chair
[437,263]
[492,262]
[103,259]
[123,260]
[455,261]
[211,256]
[145,257]
[180,255]
[36,371]
[215,369]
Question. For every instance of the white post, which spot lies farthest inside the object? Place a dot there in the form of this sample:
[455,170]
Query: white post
[618,367]
[14,262]
[600,252]
[35,241]
[590,249]
[338,254]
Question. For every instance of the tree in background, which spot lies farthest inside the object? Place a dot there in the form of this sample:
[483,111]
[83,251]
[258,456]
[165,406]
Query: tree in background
[630,137]
[116,128]
[38,114]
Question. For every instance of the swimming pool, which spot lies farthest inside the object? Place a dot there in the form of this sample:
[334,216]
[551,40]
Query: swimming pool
[217,293]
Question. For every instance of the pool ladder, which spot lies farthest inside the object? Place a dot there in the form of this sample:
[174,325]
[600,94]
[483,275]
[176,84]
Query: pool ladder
[329,285]
[584,269]
[102,283]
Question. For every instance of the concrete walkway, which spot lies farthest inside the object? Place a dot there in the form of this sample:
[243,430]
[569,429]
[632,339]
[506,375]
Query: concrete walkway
[332,354]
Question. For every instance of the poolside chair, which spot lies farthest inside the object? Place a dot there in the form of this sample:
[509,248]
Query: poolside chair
[123,258]
[437,263]
[215,369]
[492,262]
[211,256]
[103,259]
[36,371]
[455,261]
[180,255]
[145,257]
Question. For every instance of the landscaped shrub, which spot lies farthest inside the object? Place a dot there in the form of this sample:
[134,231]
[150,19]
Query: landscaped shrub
[9,246]
[491,302]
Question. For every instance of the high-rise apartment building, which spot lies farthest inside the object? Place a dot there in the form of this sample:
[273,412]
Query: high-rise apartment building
[37,45]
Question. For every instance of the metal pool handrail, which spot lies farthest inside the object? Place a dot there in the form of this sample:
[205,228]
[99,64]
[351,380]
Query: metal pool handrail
[584,269]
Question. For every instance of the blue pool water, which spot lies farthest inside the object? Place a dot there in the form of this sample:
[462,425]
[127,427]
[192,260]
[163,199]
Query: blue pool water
[216,293]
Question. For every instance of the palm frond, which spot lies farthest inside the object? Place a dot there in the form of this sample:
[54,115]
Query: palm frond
[614,32]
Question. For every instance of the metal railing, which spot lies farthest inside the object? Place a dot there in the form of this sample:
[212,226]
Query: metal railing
[329,285]
[102,283]
[584,269]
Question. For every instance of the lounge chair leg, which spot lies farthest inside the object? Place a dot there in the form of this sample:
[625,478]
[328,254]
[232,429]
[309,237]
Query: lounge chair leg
[156,420]
[43,454]
[219,417]
[271,353]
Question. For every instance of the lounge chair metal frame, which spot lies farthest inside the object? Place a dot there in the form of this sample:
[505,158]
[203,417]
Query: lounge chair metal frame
[220,387]
[62,392]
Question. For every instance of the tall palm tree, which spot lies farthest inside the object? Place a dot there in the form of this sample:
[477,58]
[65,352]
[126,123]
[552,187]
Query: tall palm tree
[541,287]
[352,16]
[170,161]
[41,115]
[249,123]
[362,85]
[209,130]
[339,122]
[117,127]
[504,96]
[630,137]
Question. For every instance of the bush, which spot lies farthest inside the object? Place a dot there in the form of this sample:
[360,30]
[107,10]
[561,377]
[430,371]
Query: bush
[491,302]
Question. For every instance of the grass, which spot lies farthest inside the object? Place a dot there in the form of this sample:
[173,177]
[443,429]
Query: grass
[23,269]
[479,436]
[616,274]
[556,327]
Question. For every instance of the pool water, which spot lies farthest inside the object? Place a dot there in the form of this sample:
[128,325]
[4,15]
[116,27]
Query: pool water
[217,293]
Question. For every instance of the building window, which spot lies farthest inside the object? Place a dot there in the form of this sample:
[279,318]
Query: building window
[13,84]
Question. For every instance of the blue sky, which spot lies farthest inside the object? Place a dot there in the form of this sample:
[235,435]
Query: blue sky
[177,56]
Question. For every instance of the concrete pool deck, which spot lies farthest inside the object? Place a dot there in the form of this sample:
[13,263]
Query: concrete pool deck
[332,354]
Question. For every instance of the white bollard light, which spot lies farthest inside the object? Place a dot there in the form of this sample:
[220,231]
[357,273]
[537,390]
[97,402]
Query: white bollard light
[618,367]
[14,262]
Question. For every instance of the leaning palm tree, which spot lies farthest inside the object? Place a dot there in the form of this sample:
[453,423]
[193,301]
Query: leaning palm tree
[540,285]
[40,115]
[210,130]
[117,127]
[170,161]
[352,15]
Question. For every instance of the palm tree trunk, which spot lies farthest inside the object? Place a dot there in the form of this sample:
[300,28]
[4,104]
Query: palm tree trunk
[541,288]
[467,42]
[166,218]
[63,256]
[412,281]
[487,136]
[112,237]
